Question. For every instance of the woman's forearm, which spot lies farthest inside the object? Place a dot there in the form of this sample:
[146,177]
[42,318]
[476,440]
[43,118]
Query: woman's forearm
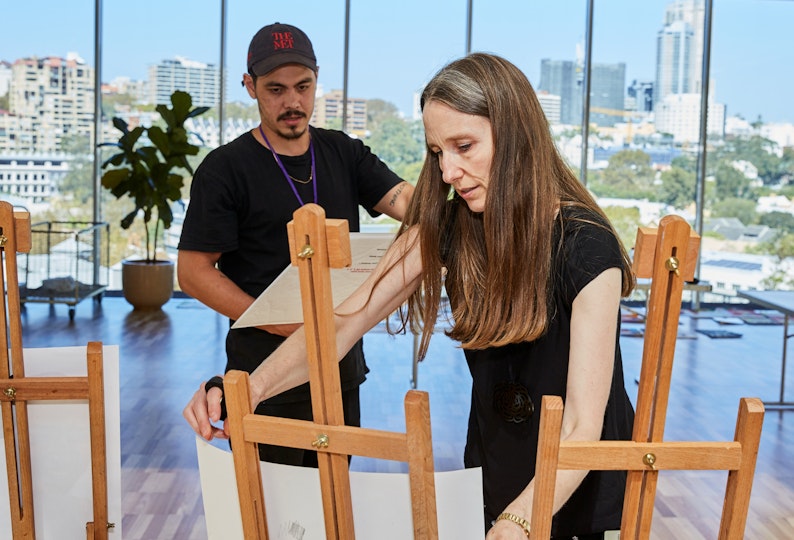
[288,366]
[381,293]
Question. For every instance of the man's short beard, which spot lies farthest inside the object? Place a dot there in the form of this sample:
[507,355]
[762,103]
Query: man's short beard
[293,134]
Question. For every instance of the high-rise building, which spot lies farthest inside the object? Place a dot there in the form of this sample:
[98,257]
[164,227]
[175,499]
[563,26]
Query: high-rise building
[679,50]
[200,80]
[124,85]
[5,77]
[8,132]
[31,178]
[550,104]
[48,99]
[563,78]
[673,61]
[607,94]
[328,107]
[679,115]
[640,96]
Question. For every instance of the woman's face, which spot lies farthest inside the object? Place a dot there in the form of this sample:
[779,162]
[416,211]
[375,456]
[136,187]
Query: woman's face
[464,146]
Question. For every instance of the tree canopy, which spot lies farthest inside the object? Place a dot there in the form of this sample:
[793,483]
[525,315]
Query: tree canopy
[678,187]
[398,142]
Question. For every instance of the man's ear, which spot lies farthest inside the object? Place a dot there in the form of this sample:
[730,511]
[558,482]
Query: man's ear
[248,82]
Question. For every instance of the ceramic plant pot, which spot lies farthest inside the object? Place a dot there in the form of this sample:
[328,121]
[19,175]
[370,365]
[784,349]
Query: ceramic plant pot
[147,285]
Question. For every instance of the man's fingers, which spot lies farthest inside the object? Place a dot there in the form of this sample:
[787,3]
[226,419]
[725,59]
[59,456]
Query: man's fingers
[214,397]
[203,409]
[196,415]
[219,433]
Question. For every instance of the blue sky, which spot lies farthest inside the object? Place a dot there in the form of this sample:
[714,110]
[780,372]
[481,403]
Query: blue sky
[396,47]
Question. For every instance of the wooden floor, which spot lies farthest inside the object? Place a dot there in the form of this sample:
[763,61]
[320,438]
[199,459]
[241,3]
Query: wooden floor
[165,355]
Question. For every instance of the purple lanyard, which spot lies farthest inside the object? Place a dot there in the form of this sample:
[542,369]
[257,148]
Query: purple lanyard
[284,170]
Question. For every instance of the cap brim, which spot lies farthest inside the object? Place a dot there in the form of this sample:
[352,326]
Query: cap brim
[263,67]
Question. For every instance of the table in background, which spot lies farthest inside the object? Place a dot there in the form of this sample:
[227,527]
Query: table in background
[695,287]
[782,301]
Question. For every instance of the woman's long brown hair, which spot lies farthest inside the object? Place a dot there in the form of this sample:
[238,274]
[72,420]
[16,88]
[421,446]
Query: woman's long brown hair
[498,268]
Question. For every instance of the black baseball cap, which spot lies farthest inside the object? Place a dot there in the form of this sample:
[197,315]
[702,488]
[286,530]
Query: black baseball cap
[278,44]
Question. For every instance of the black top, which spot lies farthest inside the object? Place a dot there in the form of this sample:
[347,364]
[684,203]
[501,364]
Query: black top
[240,201]
[240,204]
[503,445]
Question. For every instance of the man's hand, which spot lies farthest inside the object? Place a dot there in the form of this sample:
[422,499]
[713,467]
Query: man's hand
[202,410]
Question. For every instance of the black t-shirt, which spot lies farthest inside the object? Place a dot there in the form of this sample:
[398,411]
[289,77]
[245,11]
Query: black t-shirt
[506,450]
[240,200]
[240,204]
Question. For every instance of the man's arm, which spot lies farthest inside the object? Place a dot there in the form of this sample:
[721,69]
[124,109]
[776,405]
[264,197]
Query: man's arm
[200,278]
[395,202]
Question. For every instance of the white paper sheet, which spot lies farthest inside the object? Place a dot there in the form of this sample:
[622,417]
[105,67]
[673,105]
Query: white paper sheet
[293,504]
[281,302]
[60,449]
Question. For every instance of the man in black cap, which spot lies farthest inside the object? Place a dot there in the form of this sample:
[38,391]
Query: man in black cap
[234,237]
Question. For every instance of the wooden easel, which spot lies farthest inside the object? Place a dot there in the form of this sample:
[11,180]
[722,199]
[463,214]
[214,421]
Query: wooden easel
[317,244]
[668,257]
[647,459]
[17,390]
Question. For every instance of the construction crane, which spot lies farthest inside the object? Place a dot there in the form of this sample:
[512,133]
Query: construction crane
[628,116]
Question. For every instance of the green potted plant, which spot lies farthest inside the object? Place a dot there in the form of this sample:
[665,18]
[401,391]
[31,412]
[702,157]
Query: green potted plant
[147,170]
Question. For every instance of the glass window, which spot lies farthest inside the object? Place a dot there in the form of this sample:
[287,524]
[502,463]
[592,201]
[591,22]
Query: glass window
[645,95]
[394,51]
[751,162]
[47,119]
[46,98]
[546,41]
[145,59]
[627,152]
[643,157]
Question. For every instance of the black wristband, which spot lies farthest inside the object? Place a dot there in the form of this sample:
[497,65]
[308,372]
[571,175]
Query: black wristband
[217,382]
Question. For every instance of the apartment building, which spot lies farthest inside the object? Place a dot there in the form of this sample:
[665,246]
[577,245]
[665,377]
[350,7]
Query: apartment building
[49,98]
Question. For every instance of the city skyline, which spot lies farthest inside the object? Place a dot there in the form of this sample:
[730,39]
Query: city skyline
[750,48]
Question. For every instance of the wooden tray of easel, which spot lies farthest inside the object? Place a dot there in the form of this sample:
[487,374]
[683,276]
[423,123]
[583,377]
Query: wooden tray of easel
[17,390]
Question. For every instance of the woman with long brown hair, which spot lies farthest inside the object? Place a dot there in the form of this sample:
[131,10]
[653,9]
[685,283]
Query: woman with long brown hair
[534,273]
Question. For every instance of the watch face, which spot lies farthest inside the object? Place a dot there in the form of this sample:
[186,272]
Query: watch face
[511,400]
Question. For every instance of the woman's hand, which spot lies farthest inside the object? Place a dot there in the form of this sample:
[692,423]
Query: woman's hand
[506,530]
